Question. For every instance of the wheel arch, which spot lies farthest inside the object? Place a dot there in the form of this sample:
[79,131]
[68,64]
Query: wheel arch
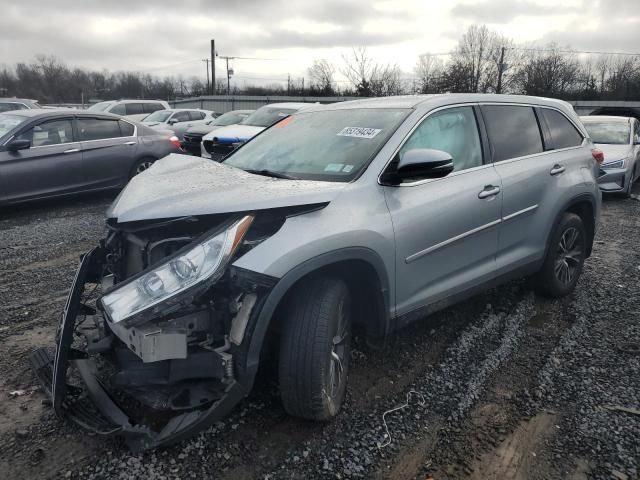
[585,207]
[361,268]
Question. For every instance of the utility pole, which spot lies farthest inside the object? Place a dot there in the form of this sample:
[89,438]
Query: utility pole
[206,60]
[500,71]
[213,66]
[228,77]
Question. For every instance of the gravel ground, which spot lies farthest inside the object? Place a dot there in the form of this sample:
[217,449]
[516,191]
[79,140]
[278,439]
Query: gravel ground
[506,385]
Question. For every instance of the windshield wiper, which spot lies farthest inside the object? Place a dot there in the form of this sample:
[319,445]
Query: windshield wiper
[271,173]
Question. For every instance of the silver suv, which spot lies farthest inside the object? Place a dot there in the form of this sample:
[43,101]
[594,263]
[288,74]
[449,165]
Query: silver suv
[368,214]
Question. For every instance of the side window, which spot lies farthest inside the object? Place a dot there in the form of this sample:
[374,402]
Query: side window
[134,108]
[53,132]
[126,129]
[151,107]
[181,117]
[454,131]
[636,138]
[98,129]
[513,130]
[196,115]
[118,109]
[563,133]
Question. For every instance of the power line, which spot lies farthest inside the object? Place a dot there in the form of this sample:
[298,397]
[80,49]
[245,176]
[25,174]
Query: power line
[591,52]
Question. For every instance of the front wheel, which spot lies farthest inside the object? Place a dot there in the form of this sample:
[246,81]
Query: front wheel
[315,348]
[565,258]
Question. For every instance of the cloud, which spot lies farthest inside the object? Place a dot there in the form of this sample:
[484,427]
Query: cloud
[503,11]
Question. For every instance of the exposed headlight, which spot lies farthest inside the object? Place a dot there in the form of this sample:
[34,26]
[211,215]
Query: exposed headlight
[203,262]
[610,165]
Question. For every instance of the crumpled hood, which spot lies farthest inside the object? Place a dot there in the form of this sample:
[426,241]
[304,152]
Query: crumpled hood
[182,185]
[613,153]
[233,133]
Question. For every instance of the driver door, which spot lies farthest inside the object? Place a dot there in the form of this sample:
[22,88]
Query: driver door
[51,166]
[446,229]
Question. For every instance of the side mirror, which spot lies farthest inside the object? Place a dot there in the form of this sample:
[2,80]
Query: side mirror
[425,163]
[173,121]
[18,144]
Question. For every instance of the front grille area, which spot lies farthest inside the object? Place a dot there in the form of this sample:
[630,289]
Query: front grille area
[191,143]
[217,151]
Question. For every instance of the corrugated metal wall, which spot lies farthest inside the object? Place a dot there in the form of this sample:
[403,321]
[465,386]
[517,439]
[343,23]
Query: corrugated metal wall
[226,103]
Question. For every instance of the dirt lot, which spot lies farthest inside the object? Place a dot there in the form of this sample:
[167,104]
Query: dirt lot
[505,386]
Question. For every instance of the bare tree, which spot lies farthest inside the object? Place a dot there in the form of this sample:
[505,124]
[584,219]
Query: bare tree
[476,53]
[370,78]
[321,73]
[548,72]
[429,70]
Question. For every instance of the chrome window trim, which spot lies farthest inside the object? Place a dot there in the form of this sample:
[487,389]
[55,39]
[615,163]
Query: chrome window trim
[408,135]
[135,134]
[532,105]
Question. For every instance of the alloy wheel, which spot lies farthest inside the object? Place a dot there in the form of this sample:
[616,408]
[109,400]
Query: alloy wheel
[569,255]
[339,351]
[143,166]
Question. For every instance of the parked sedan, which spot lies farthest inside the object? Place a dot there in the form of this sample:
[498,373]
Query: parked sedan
[176,118]
[132,109]
[619,140]
[192,137]
[51,153]
[10,104]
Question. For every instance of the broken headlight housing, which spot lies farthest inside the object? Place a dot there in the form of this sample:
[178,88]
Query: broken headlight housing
[191,266]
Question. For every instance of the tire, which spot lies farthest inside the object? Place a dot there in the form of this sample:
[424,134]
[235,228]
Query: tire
[141,165]
[565,258]
[315,348]
[629,189]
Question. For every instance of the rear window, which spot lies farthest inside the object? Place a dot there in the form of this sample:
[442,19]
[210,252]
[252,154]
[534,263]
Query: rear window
[563,133]
[134,108]
[9,106]
[151,107]
[513,130]
[98,129]
[608,132]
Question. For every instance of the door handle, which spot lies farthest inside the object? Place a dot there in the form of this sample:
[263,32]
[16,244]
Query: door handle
[556,170]
[72,150]
[129,143]
[489,191]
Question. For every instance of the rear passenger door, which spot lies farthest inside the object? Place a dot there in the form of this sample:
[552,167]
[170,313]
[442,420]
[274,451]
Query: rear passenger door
[109,149]
[533,151]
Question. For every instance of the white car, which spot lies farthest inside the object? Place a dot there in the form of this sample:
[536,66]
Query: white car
[219,143]
[177,118]
[132,109]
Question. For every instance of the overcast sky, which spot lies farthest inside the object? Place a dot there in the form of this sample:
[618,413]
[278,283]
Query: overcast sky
[154,37]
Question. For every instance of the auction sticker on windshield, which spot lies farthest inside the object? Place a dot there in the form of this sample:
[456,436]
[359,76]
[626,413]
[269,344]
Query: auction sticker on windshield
[359,132]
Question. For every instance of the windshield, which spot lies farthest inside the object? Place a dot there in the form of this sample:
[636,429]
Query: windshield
[8,122]
[100,107]
[159,116]
[612,133]
[229,118]
[267,116]
[333,145]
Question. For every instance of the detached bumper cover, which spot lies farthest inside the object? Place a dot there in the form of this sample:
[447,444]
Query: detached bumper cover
[94,407]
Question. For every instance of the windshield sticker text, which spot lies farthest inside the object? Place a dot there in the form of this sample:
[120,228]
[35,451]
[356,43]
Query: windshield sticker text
[333,167]
[359,132]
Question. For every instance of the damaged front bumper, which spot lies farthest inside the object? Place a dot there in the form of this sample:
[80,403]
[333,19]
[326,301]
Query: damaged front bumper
[70,375]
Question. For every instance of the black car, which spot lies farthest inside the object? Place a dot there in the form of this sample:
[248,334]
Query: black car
[192,138]
[50,153]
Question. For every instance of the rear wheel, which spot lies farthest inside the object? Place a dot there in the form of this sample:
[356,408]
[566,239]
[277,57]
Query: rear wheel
[141,165]
[565,258]
[315,348]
